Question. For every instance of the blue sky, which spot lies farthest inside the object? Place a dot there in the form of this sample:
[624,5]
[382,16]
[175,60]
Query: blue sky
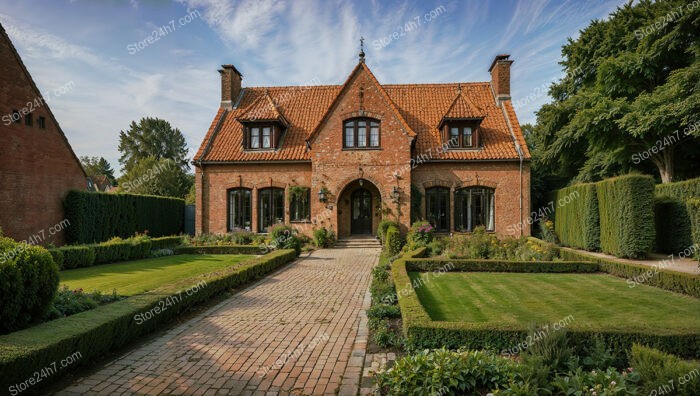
[93,44]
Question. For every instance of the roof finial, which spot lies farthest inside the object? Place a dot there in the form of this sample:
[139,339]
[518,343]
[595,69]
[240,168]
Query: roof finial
[362,49]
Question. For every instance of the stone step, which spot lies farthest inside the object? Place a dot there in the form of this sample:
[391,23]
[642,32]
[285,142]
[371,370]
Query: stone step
[358,243]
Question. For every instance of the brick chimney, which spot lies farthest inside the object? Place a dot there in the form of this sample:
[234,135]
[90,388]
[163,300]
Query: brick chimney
[231,80]
[500,77]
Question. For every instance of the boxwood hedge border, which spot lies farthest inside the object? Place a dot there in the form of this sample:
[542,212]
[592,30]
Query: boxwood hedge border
[422,332]
[111,326]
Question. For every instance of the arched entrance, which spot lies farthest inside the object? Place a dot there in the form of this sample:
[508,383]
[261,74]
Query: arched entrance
[359,208]
[361,212]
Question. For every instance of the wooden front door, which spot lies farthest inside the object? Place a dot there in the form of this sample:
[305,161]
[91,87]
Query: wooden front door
[361,212]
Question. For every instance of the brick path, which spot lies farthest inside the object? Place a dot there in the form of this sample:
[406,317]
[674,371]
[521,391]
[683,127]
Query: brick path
[310,311]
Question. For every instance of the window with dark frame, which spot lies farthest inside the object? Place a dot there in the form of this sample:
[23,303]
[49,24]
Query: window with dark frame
[299,206]
[462,135]
[361,133]
[437,208]
[262,136]
[239,209]
[41,121]
[270,208]
[16,116]
[28,119]
[474,207]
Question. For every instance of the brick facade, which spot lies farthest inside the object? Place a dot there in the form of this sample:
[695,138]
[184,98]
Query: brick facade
[312,155]
[37,165]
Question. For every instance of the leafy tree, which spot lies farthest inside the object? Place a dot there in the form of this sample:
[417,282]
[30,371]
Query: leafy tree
[190,198]
[152,137]
[153,176]
[96,166]
[631,82]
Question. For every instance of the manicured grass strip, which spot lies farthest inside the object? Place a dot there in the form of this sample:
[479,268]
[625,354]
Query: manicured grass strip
[474,265]
[595,301]
[135,277]
[482,333]
[108,327]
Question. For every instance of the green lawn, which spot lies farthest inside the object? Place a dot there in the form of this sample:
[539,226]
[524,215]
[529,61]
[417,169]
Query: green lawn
[595,301]
[134,277]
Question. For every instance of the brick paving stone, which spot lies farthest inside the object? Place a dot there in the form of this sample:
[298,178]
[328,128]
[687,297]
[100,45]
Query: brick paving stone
[303,328]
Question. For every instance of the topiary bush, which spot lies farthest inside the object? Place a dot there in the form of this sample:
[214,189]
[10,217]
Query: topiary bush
[673,230]
[383,227]
[626,206]
[28,284]
[394,243]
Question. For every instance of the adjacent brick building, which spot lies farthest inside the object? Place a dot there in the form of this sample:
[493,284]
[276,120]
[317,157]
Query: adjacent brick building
[37,165]
[346,156]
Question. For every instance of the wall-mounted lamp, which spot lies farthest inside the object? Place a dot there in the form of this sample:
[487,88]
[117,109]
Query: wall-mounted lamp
[395,194]
[362,181]
[322,195]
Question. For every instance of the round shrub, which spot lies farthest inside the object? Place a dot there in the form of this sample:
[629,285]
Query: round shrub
[284,237]
[28,283]
[324,237]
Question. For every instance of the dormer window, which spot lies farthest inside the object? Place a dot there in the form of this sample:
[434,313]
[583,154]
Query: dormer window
[462,134]
[361,133]
[262,136]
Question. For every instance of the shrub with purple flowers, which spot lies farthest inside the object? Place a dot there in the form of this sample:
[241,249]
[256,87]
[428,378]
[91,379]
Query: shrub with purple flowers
[420,234]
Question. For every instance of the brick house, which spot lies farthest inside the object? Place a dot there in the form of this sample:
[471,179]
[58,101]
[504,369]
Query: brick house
[346,156]
[37,165]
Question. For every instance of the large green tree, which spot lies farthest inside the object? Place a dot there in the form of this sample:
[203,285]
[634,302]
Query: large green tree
[152,137]
[153,176]
[96,166]
[629,98]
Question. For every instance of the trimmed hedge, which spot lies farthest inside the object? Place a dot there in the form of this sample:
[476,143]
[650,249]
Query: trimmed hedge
[626,210]
[166,242]
[394,243]
[96,217]
[109,327]
[424,333]
[224,249]
[673,231]
[694,212]
[678,282]
[683,191]
[77,256]
[577,223]
[28,283]
[110,252]
[382,228]
[424,265]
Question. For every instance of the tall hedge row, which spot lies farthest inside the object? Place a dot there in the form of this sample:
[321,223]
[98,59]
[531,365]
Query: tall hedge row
[97,217]
[694,212]
[673,231]
[576,220]
[684,190]
[626,206]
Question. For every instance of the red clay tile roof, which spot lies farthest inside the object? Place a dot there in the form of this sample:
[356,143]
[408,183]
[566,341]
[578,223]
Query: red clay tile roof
[420,106]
